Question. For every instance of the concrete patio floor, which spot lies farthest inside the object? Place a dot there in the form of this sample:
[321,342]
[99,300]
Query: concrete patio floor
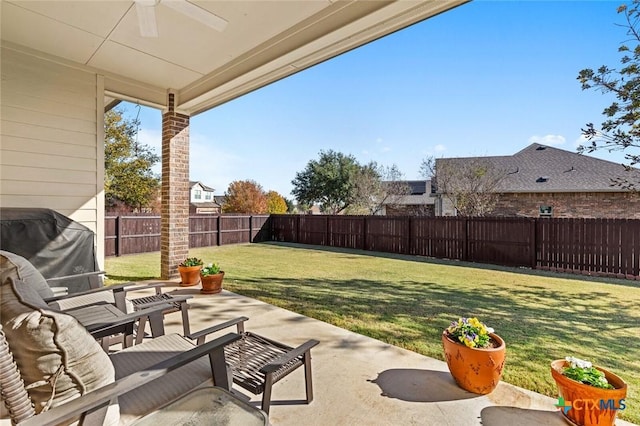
[360,380]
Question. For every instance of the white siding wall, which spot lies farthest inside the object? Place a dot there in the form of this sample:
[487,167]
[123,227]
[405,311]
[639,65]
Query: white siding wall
[446,207]
[52,139]
[195,188]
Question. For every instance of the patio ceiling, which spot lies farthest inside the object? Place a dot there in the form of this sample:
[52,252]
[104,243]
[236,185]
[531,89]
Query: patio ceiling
[263,41]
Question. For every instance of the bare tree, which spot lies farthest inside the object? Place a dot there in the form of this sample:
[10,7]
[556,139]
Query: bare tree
[470,184]
[620,130]
[376,186]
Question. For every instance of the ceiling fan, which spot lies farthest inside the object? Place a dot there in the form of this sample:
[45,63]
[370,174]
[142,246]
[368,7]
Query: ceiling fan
[146,10]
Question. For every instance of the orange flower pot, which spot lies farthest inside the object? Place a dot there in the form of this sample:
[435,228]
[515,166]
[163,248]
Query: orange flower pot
[212,284]
[189,275]
[476,370]
[586,405]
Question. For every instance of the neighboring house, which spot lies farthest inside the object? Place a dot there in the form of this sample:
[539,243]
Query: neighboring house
[220,200]
[202,200]
[546,181]
[418,202]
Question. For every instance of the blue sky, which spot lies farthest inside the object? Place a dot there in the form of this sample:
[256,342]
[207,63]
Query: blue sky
[487,78]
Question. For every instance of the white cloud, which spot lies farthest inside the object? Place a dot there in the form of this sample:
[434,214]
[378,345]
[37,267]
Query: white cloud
[434,150]
[550,140]
[380,148]
[151,137]
[582,140]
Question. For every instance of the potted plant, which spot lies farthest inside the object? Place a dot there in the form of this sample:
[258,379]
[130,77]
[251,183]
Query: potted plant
[475,355]
[588,395]
[190,271]
[211,277]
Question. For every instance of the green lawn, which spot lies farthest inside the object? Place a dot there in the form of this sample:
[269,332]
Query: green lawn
[408,301]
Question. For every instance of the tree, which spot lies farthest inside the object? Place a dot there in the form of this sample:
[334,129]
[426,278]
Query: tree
[470,184]
[328,181]
[621,129]
[376,186]
[291,206]
[128,175]
[245,196]
[276,203]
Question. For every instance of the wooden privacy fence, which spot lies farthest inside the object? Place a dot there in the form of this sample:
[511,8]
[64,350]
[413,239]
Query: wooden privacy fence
[141,234]
[604,247]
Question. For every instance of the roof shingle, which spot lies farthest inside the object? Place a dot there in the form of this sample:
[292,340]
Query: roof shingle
[541,168]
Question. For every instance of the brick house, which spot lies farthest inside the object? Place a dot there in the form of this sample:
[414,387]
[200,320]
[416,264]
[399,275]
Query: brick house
[418,202]
[545,181]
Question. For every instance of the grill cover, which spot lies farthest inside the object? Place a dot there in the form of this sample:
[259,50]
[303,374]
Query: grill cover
[53,243]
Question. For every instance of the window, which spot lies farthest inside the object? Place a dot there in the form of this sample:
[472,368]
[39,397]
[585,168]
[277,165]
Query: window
[207,196]
[546,211]
[197,194]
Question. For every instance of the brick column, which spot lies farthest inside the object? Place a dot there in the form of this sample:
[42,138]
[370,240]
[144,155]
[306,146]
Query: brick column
[174,233]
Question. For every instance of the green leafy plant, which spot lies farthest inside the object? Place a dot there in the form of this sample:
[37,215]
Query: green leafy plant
[192,261]
[470,332]
[210,269]
[584,372]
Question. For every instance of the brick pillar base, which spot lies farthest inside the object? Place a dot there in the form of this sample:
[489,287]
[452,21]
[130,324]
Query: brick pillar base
[174,233]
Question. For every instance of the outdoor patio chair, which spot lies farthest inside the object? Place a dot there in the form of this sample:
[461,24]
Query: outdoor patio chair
[98,307]
[257,362]
[118,300]
[52,371]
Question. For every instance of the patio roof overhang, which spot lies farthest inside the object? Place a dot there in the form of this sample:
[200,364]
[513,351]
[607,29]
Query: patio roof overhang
[262,42]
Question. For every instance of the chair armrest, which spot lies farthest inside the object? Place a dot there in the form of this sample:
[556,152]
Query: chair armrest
[54,280]
[118,291]
[156,286]
[99,330]
[200,335]
[285,358]
[114,288]
[101,397]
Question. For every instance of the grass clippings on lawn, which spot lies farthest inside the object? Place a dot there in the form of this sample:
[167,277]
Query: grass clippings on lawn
[407,301]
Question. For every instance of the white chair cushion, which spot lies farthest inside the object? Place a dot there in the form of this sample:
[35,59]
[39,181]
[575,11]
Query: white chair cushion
[56,356]
[18,267]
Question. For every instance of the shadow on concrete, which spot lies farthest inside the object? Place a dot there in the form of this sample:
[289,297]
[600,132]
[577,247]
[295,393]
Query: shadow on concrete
[501,416]
[415,385]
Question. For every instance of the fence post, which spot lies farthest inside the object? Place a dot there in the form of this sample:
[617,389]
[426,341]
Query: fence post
[465,236]
[327,241]
[250,228]
[409,235]
[219,236]
[364,233]
[118,235]
[297,236]
[533,236]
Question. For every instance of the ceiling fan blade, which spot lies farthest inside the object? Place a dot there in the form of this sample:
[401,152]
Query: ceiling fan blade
[146,12]
[194,11]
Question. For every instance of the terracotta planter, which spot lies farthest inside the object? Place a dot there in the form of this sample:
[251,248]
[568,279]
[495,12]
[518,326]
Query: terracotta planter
[474,369]
[189,275]
[212,284]
[587,405]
